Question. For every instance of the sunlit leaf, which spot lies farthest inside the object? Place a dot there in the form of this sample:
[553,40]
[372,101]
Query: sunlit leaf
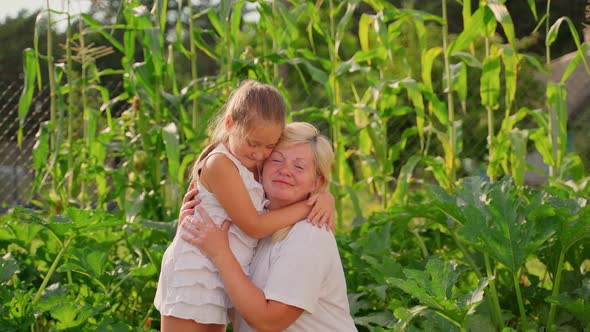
[26,97]
[435,288]
[503,17]
[490,82]
[518,153]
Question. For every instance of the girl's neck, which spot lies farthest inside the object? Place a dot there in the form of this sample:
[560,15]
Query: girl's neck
[277,204]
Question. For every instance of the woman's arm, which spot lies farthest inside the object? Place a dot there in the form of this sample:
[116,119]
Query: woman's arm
[260,313]
[221,177]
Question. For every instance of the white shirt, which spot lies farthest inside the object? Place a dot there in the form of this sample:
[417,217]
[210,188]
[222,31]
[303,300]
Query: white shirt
[303,270]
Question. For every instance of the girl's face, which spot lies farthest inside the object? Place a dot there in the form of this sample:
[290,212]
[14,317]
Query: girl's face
[254,147]
[289,175]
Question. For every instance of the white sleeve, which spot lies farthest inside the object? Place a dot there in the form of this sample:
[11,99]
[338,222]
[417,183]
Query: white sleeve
[298,268]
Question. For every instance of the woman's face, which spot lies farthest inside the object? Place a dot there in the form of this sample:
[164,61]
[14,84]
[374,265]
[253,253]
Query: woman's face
[289,175]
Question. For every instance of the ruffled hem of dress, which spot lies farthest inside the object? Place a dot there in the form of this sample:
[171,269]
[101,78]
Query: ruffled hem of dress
[199,313]
[197,296]
[199,278]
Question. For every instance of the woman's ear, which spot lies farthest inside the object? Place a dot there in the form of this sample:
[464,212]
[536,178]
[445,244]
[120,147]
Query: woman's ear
[317,183]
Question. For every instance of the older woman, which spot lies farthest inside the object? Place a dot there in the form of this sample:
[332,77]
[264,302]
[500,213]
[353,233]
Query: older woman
[297,281]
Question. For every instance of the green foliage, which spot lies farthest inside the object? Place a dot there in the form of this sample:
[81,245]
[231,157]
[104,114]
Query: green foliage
[82,270]
[435,289]
[435,247]
[401,105]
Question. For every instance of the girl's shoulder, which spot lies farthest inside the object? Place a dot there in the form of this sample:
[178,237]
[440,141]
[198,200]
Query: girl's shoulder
[219,157]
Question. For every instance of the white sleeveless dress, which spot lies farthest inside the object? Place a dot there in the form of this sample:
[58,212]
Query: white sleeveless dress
[189,285]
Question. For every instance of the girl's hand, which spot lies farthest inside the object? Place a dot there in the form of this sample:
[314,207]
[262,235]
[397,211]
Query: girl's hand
[323,209]
[188,203]
[206,236]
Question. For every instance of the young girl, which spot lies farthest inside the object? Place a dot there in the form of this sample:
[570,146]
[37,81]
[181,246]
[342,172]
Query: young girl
[190,294]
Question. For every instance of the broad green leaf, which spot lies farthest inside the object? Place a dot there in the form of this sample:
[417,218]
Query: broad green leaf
[383,33]
[41,150]
[420,31]
[543,145]
[554,30]
[160,10]
[578,305]
[378,141]
[405,316]
[416,97]
[468,59]
[358,212]
[437,167]
[403,181]
[290,32]
[466,12]
[170,71]
[26,97]
[342,27]
[345,176]
[473,28]
[8,268]
[70,315]
[574,229]
[203,46]
[216,22]
[533,7]
[236,19]
[171,141]
[511,228]
[518,153]
[573,64]
[38,29]
[427,60]
[225,11]
[503,17]
[375,321]
[144,271]
[435,288]
[151,41]
[511,61]
[490,82]
[98,155]
[439,108]
[459,82]
[556,102]
[92,262]
[52,296]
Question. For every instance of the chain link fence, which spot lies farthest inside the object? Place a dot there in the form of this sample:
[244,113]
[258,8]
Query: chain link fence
[16,171]
[16,163]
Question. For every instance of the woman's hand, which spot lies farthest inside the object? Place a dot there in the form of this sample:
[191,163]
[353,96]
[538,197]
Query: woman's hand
[188,203]
[323,209]
[206,236]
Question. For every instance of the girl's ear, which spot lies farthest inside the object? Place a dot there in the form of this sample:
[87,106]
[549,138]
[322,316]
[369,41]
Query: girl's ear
[229,121]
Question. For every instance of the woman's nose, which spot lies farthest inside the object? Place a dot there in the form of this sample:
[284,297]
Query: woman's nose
[284,170]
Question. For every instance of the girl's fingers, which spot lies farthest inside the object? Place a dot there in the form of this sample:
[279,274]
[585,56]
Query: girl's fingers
[313,216]
[312,199]
[190,195]
[225,225]
[332,223]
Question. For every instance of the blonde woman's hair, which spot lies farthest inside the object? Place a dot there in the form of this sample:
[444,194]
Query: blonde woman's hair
[248,105]
[323,156]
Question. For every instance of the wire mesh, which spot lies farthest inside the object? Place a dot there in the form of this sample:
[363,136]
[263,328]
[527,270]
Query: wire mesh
[16,171]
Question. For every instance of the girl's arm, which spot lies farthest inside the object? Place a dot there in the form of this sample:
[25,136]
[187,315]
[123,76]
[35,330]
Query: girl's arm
[260,313]
[221,177]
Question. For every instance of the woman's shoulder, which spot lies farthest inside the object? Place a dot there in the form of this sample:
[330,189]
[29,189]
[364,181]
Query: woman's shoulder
[306,232]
